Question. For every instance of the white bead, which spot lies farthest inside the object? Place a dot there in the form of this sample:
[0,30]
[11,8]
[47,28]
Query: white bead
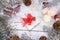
[52,11]
[45,10]
[47,18]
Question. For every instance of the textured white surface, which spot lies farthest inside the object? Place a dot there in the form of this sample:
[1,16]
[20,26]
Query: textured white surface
[36,10]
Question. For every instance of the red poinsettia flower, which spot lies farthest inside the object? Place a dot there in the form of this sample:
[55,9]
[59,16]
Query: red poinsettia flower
[56,16]
[29,19]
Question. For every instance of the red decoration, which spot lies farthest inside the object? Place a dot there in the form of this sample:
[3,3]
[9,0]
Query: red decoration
[44,3]
[29,19]
[56,16]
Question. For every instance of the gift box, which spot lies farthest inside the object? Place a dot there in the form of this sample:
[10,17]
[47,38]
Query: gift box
[10,11]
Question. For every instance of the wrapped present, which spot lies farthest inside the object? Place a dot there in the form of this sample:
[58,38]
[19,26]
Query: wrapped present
[16,8]
[12,10]
[10,7]
[8,11]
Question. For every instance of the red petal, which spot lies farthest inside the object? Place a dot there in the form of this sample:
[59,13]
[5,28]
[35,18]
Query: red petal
[34,18]
[29,19]
[56,16]
[45,3]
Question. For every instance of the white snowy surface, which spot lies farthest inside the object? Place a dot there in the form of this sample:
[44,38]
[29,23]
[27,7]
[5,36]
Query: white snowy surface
[36,10]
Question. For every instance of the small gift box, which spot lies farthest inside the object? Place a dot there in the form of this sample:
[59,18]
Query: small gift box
[10,11]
